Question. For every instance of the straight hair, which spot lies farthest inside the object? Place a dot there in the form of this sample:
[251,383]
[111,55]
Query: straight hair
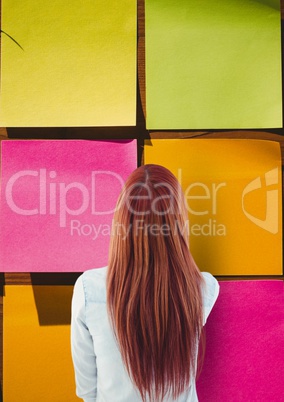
[154,288]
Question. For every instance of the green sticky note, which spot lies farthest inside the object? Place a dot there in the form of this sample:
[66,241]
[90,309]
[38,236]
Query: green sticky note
[213,64]
[68,63]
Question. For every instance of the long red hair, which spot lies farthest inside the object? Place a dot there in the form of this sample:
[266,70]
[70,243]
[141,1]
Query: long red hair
[153,284]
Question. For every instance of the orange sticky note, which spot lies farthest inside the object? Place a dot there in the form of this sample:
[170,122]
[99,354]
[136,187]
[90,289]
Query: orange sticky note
[233,190]
[37,363]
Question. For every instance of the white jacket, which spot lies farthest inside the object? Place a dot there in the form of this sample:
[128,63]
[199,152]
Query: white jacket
[99,371]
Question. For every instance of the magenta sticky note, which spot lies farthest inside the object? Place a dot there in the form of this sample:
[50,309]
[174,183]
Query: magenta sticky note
[244,359]
[57,202]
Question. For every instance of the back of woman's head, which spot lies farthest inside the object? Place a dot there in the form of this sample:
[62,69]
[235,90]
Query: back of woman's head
[153,285]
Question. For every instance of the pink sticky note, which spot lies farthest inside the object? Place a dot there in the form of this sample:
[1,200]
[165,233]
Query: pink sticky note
[244,359]
[57,202]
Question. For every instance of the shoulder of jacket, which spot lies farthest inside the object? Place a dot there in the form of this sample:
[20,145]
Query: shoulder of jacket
[94,284]
[94,273]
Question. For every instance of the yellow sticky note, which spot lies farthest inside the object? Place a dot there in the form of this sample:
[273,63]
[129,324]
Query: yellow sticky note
[233,190]
[213,64]
[37,363]
[68,63]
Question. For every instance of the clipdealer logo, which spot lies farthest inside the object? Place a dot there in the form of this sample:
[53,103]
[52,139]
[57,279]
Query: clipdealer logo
[270,223]
[202,200]
[53,194]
